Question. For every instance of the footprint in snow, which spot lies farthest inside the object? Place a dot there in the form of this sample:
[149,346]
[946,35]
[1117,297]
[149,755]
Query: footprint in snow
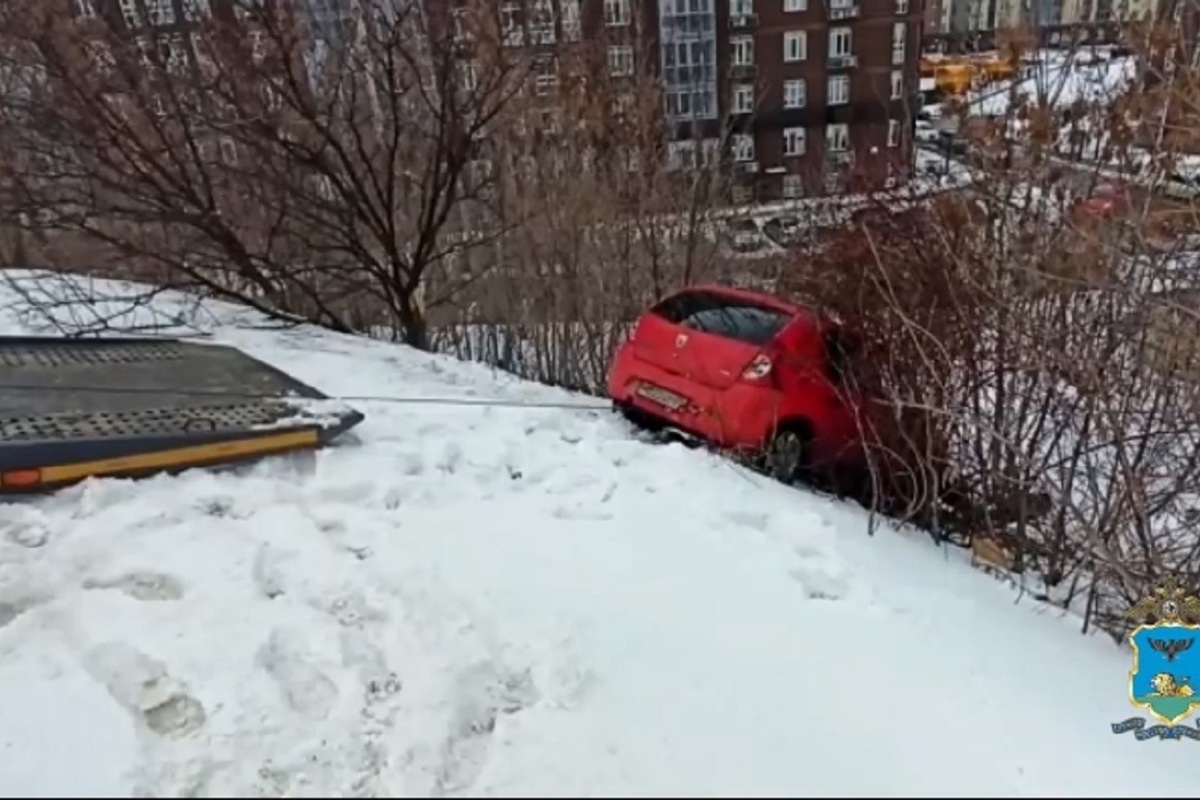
[143,686]
[306,690]
[484,693]
[141,585]
[268,571]
[820,575]
[30,534]
[748,519]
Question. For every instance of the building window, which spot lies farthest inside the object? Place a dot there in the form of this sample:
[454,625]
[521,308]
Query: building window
[571,27]
[742,48]
[687,103]
[194,10]
[794,140]
[616,12]
[743,147]
[258,46]
[840,43]
[741,8]
[795,93]
[795,5]
[901,6]
[837,138]
[793,186]
[899,30]
[743,98]
[795,45]
[161,12]
[541,23]
[620,60]
[242,9]
[897,84]
[85,9]
[893,133]
[511,29]
[172,53]
[839,90]
[131,13]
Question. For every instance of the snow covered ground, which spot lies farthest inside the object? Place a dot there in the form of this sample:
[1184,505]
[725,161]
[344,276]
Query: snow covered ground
[1059,82]
[516,600]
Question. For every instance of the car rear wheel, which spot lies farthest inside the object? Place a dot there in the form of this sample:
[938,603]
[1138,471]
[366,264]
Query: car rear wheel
[788,454]
[637,418]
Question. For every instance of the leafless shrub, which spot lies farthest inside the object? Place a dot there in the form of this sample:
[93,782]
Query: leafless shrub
[1033,357]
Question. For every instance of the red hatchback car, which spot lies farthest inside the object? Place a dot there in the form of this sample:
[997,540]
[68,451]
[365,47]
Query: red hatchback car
[748,372]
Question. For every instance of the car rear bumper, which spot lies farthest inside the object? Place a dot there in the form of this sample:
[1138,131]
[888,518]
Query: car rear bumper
[741,416]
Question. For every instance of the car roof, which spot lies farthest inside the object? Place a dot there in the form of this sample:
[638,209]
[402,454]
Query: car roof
[749,295]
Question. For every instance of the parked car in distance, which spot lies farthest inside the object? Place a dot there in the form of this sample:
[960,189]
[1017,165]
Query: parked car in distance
[1181,185]
[785,230]
[750,373]
[744,235]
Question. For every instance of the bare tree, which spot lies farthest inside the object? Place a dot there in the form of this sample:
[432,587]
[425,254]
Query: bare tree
[245,156]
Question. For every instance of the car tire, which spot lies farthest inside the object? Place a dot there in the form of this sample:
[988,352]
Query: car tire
[787,457]
[638,419]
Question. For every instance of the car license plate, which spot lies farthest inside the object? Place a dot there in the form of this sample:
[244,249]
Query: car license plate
[657,394]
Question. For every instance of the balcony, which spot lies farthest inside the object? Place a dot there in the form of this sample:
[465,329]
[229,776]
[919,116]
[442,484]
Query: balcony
[843,62]
[743,71]
[842,10]
[743,21]
[839,158]
[744,172]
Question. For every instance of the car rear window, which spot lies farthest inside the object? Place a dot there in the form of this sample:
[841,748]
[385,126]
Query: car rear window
[732,318]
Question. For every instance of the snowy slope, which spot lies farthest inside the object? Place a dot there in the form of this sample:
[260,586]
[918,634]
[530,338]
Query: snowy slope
[513,600]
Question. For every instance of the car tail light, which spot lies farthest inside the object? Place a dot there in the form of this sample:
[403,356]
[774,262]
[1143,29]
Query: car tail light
[759,368]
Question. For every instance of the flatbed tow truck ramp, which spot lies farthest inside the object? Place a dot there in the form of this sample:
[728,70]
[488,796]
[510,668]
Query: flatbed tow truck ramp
[75,408]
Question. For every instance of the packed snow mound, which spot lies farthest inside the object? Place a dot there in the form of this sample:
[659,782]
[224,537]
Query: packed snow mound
[518,599]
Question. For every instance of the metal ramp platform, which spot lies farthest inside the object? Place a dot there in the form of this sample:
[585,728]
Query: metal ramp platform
[75,408]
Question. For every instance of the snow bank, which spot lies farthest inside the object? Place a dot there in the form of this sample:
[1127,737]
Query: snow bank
[505,600]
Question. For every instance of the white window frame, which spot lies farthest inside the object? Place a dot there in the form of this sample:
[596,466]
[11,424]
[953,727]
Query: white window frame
[790,93]
[840,97]
[837,137]
[743,147]
[620,60]
[243,8]
[512,30]
[893,134]
[795,46]
[131,12]
[160,12]
[795,142]
[741,8]
[897,85]
[743,98]
[901,7]
[793,186]
[616,13]
[258,45]
[85,9]
[899,42]
[196,10]
[541,22]
[841,41]
[741,51]
[572,25]
[793,6]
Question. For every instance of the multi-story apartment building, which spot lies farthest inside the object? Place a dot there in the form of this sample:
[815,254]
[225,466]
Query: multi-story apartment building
[803,96]
[815,94]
